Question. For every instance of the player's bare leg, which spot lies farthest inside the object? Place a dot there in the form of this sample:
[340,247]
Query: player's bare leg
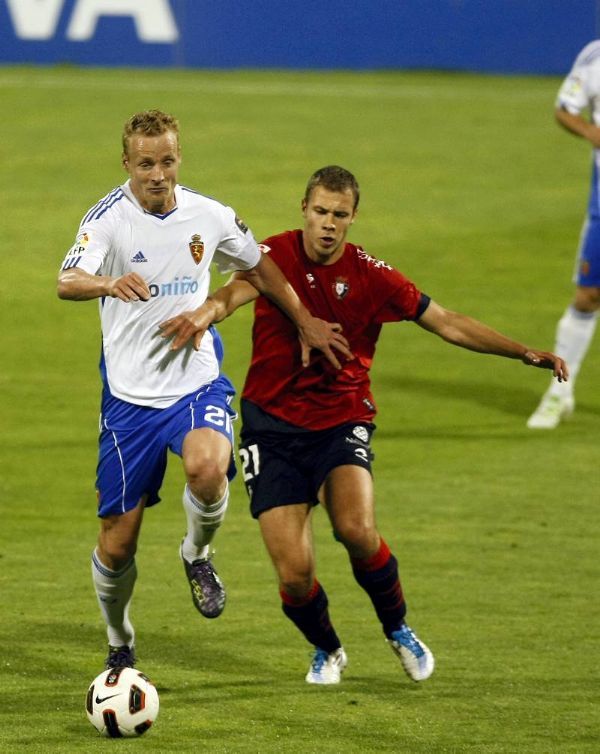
[114,574]
[287,534]
[348,497]
[206,458]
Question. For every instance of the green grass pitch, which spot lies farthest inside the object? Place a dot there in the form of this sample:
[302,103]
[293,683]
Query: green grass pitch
[472,191]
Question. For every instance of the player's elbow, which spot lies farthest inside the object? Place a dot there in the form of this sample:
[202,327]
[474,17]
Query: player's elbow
[63,289]
[251,278]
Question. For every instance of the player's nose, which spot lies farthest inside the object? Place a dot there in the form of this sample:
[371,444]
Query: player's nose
[157,174]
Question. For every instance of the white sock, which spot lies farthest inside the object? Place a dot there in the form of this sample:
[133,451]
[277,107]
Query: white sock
[203,521]
[574,334]
[114,590]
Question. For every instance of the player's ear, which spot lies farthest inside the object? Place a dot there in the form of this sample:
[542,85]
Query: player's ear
[303,205]
[125,161]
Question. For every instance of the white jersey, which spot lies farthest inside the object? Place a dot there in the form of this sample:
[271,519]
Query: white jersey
[173,253]
[581,88]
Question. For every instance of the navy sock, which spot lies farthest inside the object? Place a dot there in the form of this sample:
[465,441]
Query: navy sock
[311,616]
[378,576]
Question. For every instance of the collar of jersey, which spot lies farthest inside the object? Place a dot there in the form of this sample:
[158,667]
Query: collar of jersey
[126,188]
[160,217]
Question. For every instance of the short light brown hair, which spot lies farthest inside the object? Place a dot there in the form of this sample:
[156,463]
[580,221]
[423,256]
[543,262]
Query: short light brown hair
[333,178]
[149,123]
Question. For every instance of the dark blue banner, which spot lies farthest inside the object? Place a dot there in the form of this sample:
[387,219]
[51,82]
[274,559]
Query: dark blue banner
[504,36]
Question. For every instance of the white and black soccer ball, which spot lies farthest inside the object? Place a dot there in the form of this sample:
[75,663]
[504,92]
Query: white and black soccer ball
[122,703]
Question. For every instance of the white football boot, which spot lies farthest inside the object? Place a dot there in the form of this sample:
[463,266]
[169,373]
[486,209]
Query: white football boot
[415,657]
[327,668]
[552,409]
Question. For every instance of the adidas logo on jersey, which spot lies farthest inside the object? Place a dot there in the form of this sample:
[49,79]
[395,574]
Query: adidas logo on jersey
[138,257]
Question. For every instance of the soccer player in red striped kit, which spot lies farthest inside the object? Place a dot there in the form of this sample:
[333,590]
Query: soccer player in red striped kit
[306,431]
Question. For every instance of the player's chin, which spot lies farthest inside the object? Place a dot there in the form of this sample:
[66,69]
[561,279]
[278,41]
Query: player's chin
[157,200]
[328,249]
[157,209]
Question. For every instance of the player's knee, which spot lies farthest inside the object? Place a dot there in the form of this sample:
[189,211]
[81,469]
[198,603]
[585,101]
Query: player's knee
[587,299]
[117,541]
[208,489]
[356,535]
[206,479]
[296,581]
[115,553]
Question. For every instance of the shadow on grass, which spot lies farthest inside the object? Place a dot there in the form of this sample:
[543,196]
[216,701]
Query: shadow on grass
[512,400]
[213,669]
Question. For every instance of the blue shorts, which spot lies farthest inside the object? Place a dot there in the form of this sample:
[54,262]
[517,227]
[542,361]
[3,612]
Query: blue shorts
[587,272]
[134,441]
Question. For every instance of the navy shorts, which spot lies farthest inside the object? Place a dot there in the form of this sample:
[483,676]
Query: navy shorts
[587,272]
[284,464]
[134,441]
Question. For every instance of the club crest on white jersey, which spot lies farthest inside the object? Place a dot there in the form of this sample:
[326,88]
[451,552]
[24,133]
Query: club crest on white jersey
[196,246]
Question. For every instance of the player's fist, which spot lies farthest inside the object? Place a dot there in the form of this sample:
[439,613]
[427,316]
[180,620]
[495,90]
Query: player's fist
[129,287]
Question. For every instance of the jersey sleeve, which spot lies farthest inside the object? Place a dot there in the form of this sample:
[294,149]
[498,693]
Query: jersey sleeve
[576,92]
[397,297]
[237,250]
[91,246]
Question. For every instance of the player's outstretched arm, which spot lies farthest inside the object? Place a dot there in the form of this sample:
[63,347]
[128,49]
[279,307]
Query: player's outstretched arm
[469,333]
[218,306]
[78,285]
[268,279]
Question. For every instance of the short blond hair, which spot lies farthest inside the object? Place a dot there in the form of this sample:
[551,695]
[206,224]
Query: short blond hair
[149,123]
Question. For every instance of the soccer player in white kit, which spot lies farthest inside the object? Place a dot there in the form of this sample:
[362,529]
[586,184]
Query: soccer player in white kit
[144,251]
[580,91]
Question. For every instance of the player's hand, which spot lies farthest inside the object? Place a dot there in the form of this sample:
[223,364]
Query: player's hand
[316,333]
[546,360]
[188,325]
[129,287]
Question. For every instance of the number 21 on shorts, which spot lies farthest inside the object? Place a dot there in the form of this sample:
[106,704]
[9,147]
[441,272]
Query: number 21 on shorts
[250,462]
[219,417]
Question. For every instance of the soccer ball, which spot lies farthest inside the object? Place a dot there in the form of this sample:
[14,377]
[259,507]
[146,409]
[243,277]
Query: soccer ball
[122,702]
